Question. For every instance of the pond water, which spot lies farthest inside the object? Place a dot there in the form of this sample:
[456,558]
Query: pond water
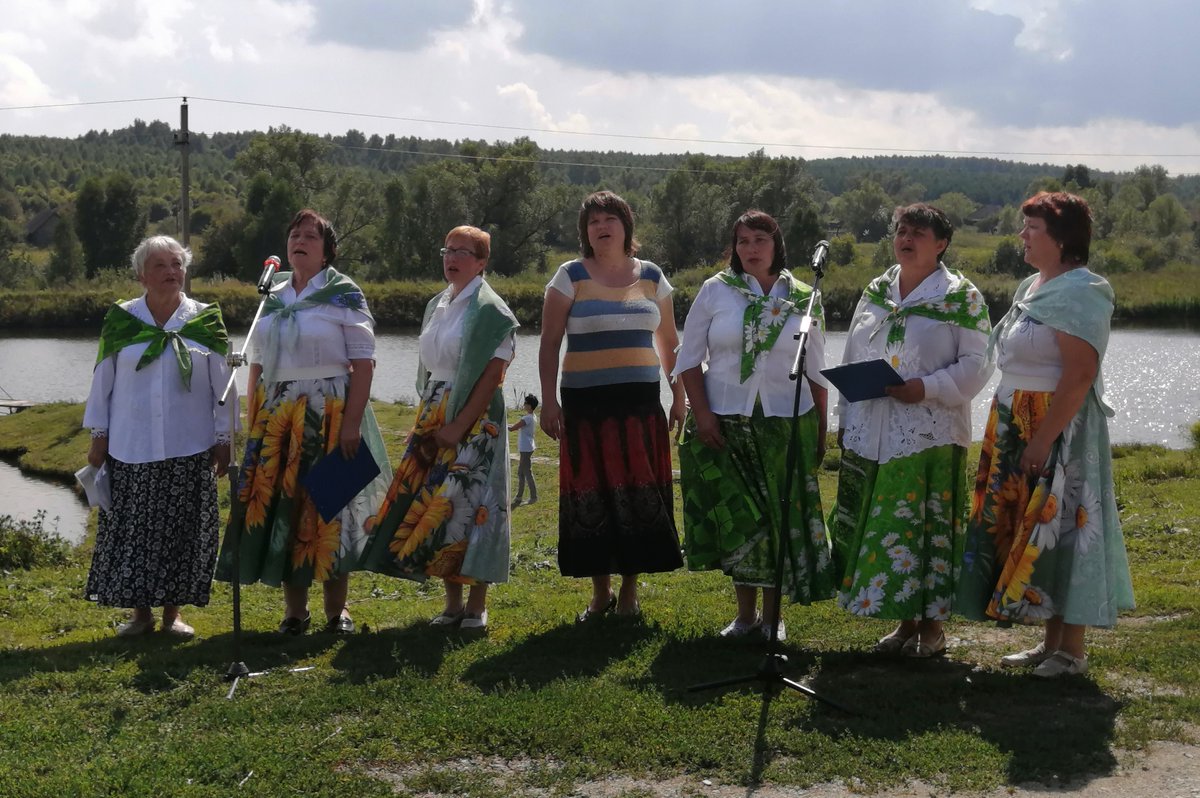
[23,497]
[1150,375]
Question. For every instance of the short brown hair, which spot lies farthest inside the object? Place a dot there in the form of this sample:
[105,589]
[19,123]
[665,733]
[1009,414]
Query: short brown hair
[323,227]
[758,220]
[481,242]
[1068,221]
[606,202]
[932,218]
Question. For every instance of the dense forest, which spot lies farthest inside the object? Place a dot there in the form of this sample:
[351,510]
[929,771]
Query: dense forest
[71,209]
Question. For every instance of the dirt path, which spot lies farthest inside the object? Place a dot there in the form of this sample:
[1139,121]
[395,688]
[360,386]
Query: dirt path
[1167,770]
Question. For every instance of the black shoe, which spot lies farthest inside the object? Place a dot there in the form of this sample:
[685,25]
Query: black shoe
[341,625]
[295,626]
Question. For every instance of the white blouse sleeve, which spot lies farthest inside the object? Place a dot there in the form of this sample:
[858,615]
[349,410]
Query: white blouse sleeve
[96,414]
[226,421]
[360,337]
[957,383]
[852,353]
[507,348]
[561,282]
[814,357]
[694,348]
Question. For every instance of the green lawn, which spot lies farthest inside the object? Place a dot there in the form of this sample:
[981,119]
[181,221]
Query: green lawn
[539,704]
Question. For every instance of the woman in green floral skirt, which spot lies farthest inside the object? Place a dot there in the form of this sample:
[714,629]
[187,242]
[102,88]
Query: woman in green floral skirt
[897,529]
[733,453]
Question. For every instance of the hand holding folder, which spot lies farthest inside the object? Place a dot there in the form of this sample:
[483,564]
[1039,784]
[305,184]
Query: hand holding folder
[864,380]
[334,481]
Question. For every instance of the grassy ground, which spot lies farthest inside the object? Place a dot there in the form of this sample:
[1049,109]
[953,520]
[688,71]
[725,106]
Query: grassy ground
[538,704]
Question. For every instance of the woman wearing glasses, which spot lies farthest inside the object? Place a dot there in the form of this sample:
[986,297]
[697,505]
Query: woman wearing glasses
[446,513]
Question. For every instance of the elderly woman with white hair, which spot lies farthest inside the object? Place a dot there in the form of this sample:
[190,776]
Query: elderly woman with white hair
[155,420]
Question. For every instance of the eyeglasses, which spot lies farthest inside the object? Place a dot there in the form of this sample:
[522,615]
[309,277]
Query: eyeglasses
[451,252]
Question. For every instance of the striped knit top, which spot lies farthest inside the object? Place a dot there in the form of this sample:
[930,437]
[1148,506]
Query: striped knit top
[610,331]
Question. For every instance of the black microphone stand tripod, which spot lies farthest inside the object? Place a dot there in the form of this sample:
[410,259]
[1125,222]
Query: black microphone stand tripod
[237,668]
[771,671]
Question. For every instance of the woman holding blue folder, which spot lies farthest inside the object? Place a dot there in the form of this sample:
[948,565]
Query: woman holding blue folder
[446,513]
[311,363]
[902,494]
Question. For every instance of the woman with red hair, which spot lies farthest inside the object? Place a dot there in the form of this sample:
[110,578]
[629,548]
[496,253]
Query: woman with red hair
[1044,543]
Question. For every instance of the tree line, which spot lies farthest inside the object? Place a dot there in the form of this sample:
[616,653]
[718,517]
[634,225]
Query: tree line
[393,199]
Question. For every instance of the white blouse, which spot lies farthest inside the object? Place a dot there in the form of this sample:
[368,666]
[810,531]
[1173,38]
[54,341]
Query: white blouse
[712,334]
[147,414]
[329,335]
[950,360]
[1028,356]
[441,340]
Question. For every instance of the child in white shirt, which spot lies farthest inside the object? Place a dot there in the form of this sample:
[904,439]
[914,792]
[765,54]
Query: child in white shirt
[525,428]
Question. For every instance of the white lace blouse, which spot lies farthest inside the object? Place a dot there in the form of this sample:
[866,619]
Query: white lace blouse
[949,359]
[148,415]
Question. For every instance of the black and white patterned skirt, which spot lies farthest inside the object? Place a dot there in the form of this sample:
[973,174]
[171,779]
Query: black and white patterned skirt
[158,543]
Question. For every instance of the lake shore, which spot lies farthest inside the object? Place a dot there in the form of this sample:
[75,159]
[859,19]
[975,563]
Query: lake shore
[1167,297]
[542,706]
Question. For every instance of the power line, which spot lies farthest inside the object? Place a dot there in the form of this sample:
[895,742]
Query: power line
[680,140]
[83,103]
[622,136]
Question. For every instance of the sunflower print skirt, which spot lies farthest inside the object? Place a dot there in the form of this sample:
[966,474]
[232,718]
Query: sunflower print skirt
[1051,546]
[281,536]
[446,512]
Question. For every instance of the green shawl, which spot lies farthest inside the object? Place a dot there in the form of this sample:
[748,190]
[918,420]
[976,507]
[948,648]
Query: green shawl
[766,315]
[488,321]
[962,305]
[283,329]
[121,329]
[1078,302]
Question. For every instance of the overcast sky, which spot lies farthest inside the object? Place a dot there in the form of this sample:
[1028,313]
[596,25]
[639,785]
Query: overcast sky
[1109,83]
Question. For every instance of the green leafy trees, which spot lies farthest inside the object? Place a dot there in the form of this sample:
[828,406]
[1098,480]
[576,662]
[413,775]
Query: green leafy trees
[108,221]
[66,255]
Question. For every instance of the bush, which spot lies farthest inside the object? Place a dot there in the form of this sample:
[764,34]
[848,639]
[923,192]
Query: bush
[28,544]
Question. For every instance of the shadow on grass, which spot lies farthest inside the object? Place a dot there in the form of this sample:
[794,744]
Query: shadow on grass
[388,652]
[163,661]
[689,663]
[570,651]
[1050,729]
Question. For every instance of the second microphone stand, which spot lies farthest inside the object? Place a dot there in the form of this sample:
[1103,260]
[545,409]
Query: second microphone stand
[771,671]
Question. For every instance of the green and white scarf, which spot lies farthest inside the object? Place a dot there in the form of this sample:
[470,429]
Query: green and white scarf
[766,315]
[962,305]
[283,329]
[121,329]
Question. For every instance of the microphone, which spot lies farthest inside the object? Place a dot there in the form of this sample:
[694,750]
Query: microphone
[820,254]
[270,266]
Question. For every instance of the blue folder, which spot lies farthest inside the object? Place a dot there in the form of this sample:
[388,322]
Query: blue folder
[334,480]
[863,380]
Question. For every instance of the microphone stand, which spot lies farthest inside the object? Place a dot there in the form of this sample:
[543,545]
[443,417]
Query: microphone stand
[237,667]
[770,673]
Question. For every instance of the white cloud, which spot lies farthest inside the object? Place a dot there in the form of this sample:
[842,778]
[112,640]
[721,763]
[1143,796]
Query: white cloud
[492,62]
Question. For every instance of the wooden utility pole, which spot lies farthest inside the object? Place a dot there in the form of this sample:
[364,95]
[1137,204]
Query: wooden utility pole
[182,141]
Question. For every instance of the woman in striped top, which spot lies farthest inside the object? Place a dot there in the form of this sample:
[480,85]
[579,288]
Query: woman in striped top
[616,511]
